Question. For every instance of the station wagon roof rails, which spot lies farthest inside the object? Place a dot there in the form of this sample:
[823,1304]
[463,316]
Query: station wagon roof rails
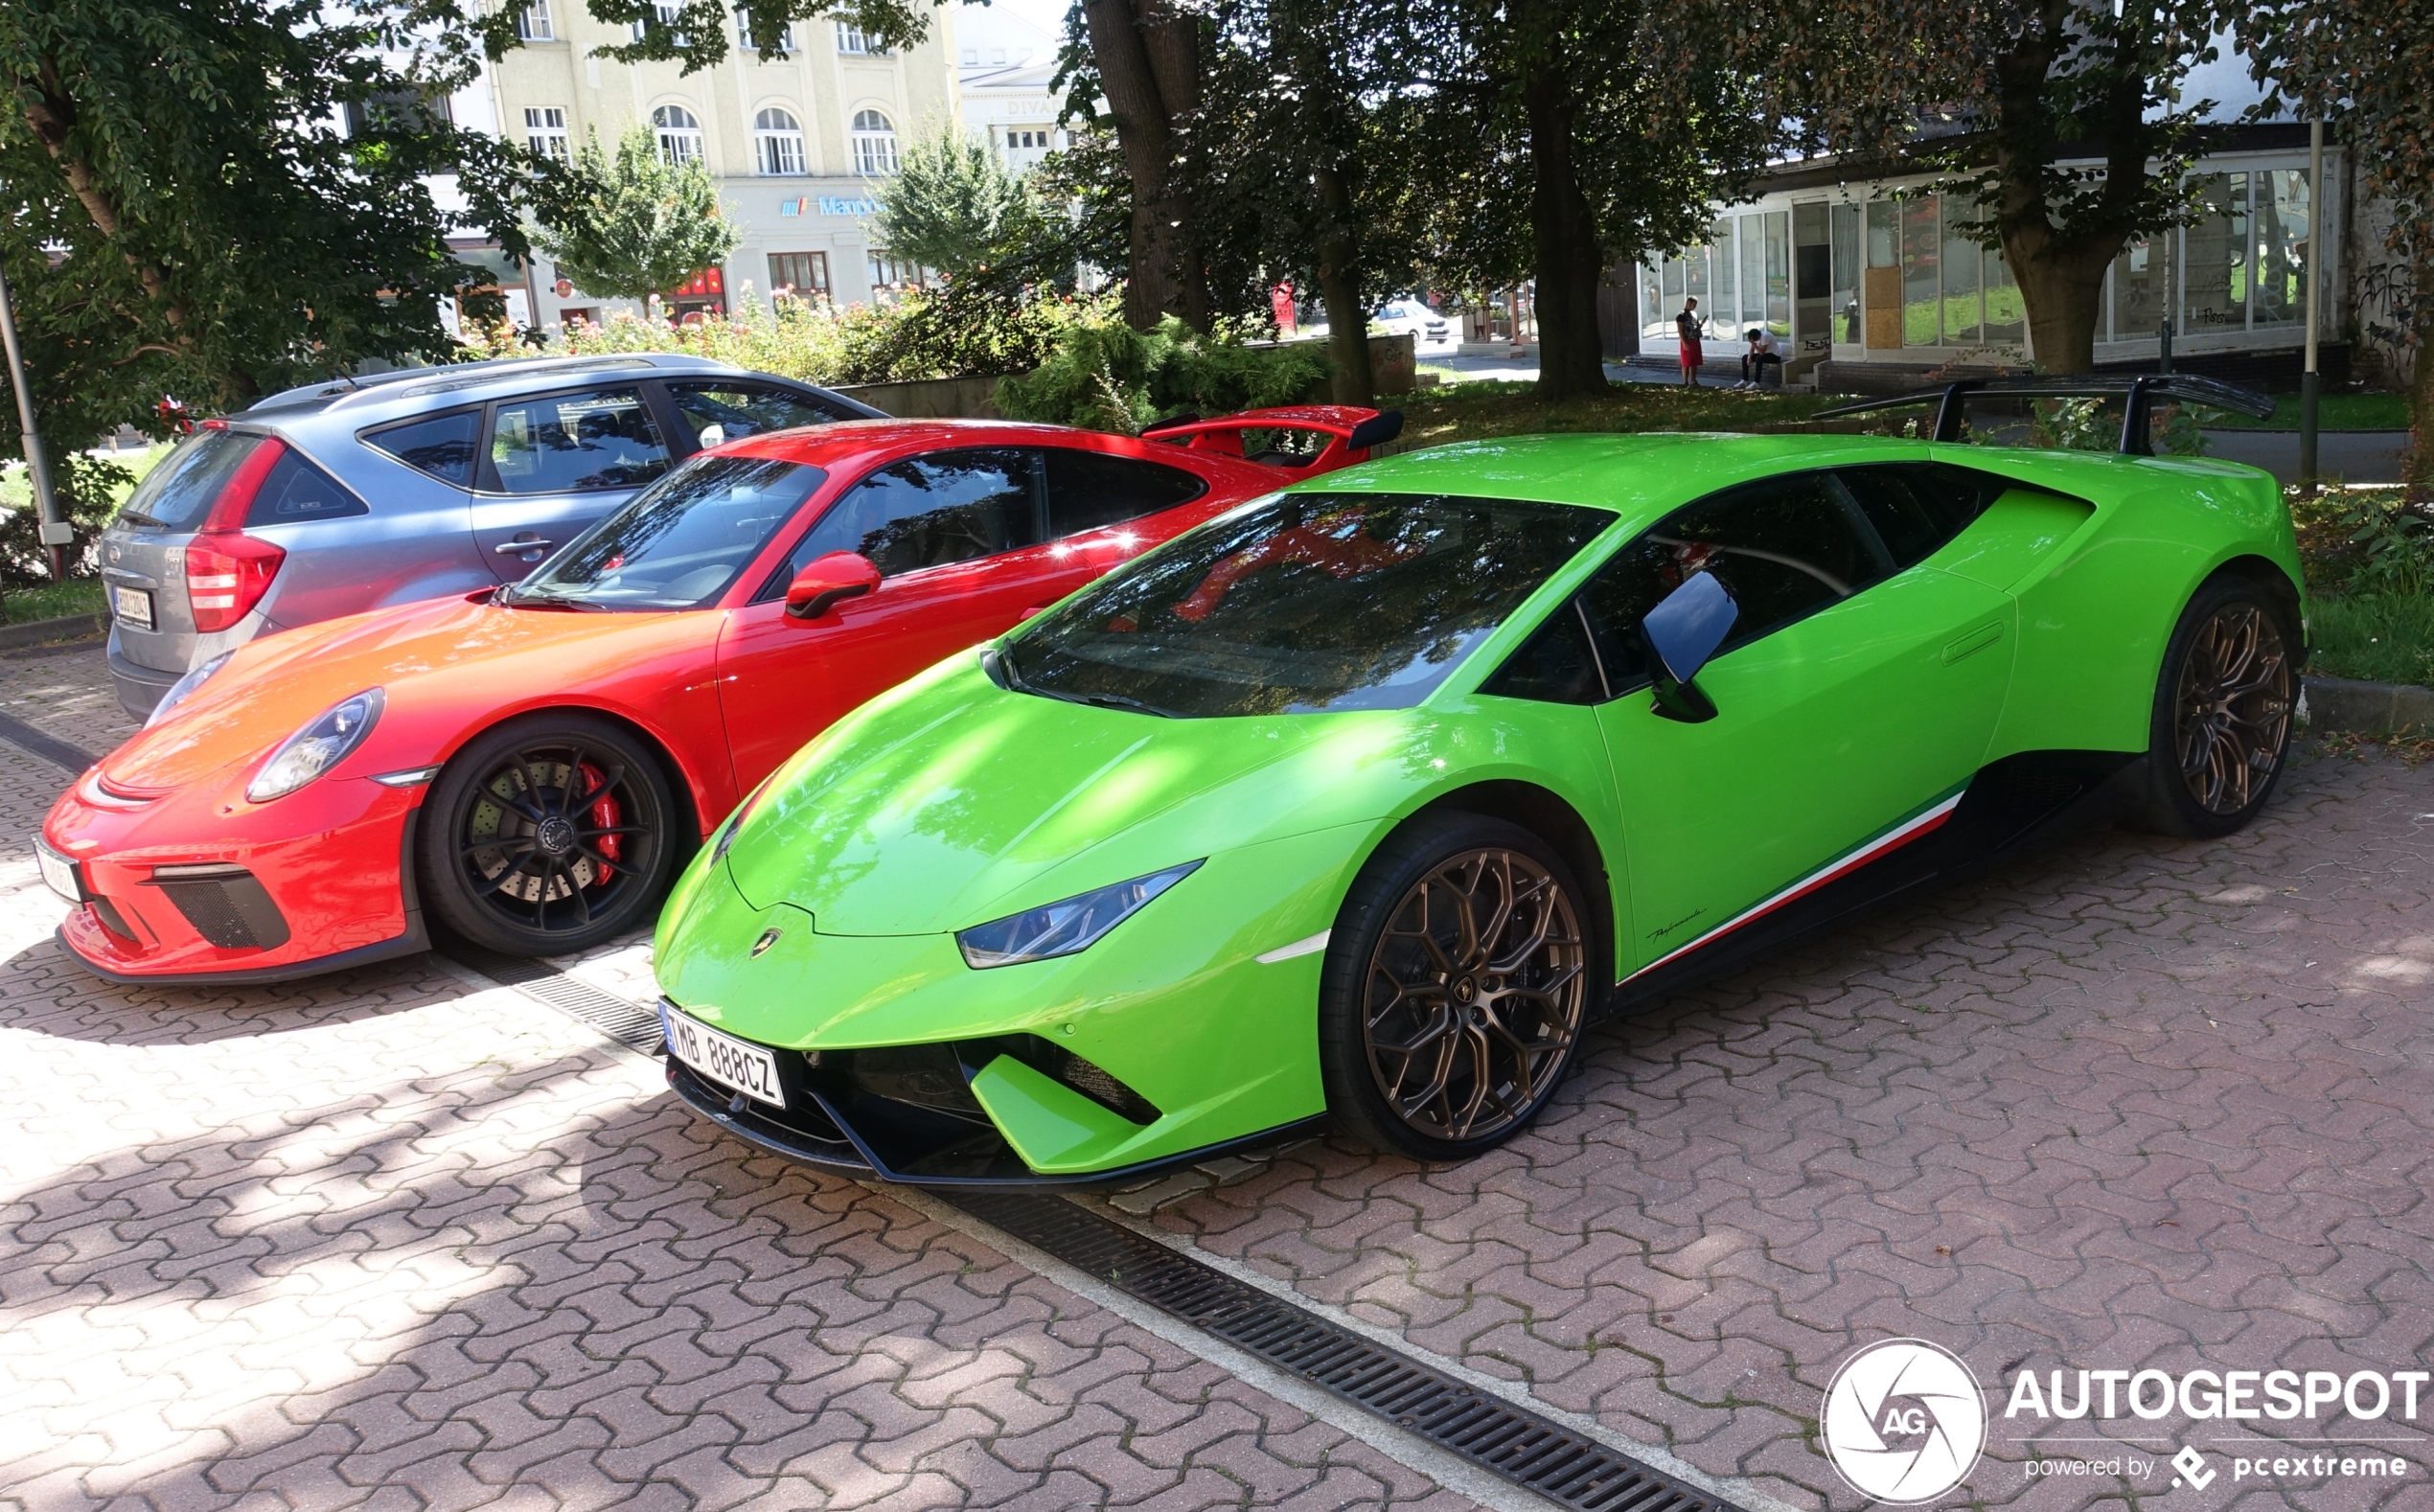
[2139,390]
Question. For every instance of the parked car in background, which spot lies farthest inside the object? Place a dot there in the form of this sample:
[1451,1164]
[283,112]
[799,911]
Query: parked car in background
[344,497]
[530,763]
[1409,316]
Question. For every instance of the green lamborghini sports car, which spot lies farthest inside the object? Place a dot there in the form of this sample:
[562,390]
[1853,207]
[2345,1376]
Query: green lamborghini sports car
[1360,799]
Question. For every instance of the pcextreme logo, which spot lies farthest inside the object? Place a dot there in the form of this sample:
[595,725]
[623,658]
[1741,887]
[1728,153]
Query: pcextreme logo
[1903,1421]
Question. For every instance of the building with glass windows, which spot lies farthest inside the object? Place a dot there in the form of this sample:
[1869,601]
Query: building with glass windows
[800,144]
[1868,284]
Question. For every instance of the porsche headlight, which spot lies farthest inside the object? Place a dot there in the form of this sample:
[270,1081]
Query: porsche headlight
[184,688]
[317,748]
[1061,929]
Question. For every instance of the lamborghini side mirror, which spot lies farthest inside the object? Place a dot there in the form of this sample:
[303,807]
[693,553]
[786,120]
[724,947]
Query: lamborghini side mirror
[1683,633]
[827,579]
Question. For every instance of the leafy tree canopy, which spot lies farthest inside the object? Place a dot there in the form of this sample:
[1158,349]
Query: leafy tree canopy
[637,225]
[954,208]
[1997,94]
[220,198]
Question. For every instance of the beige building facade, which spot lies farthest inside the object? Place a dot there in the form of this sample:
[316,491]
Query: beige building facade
[799,145]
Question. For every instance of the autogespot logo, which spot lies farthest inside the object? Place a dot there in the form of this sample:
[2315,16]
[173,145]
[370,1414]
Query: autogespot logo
[1904,1421]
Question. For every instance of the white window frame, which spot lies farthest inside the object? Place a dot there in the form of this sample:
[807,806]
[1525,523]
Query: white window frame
[854,42]
[779,151]
[533,22]
[668,12]
[546,132]
[678,144]
[874,148]
[743,35]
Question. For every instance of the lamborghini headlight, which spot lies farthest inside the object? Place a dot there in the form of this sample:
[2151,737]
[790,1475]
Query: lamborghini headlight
[317,747]
[1062,929]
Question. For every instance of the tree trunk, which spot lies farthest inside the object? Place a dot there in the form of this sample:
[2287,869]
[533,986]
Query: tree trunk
[2416,476]
[1340,285]
[1155,272]
[2062,292]
[1571,361]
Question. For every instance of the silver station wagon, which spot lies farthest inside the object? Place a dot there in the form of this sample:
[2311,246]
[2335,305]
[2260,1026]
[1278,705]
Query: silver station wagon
[344,497]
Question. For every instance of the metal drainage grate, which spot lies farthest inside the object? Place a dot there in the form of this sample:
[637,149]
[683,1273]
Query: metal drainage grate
[629,1024]
[1565,1466]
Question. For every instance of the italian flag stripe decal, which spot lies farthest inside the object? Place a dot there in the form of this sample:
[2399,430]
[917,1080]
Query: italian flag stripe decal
[1924,821]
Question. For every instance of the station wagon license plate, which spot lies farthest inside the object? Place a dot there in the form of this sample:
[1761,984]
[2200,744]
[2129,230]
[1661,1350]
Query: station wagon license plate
[729,1061]
[59,873]
[134,605]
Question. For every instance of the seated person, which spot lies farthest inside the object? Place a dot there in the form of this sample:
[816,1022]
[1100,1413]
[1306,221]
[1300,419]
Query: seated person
[1762,351]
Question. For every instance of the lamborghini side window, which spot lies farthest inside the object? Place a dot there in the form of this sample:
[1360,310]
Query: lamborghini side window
[1557,665]
[1916,507]
[1785,547]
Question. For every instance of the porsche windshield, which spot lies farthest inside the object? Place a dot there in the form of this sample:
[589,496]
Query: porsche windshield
[678,543]
[1303,602]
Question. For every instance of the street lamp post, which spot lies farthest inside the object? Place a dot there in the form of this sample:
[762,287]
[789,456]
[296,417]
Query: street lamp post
[2308,380]
[56,532]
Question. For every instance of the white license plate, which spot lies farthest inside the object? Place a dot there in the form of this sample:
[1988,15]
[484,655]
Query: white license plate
[59,872]
[724,1059]
[134,605]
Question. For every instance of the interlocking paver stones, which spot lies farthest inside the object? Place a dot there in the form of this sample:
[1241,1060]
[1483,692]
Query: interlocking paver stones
[383,1240]
[2129,1103]
[380,1241]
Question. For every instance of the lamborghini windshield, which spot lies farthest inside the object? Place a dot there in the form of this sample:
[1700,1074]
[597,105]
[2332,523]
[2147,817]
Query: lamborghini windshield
[1301,603]
[678,543]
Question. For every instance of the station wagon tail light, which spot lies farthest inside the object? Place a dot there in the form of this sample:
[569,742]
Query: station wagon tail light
[228,571]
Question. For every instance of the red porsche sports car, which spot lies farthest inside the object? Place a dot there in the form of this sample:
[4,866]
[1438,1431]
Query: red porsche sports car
[528,763]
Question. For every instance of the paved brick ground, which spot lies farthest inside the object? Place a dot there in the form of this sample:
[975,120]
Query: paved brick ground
[383,1239]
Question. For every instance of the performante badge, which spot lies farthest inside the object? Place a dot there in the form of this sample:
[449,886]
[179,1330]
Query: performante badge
[1903,1421]
[761,946]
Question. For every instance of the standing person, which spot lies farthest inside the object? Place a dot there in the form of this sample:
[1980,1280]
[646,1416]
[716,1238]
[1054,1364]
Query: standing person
[1687,326]
[1762,351]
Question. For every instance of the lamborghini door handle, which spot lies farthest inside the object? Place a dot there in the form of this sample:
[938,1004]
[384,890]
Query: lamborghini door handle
[1976,641]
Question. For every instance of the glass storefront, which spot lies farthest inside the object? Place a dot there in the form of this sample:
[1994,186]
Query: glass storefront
[1912,271]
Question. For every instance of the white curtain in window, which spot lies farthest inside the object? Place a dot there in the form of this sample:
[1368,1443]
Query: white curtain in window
[679,134]
[777,141]
[874,145]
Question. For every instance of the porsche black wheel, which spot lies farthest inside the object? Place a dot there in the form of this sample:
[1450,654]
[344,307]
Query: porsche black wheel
[2224,708]
[1457,985]
[546,837]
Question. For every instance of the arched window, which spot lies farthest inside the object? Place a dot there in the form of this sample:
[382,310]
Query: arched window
[679,134]
[874,144]
[777,141]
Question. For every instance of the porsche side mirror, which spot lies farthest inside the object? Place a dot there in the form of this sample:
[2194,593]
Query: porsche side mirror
[1683,633]
[828,580]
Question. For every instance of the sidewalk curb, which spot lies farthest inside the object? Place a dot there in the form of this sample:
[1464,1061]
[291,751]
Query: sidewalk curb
[38,633]
[2369,708]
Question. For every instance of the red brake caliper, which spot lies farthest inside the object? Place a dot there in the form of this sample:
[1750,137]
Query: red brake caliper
[603,816]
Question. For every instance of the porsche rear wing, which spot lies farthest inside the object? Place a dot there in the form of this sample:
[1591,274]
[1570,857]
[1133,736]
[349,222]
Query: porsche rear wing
[1350,431]
[2139,391]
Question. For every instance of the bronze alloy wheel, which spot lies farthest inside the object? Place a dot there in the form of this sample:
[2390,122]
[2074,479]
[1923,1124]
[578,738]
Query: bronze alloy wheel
[1473,994]
[2231,708]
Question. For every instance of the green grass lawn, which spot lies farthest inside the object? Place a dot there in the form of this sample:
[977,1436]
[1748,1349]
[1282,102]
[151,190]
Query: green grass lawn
[52,601]
[2334,412]
[2381,637]
[1498,407]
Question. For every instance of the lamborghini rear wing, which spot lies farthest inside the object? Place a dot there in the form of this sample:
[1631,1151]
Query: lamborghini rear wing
[1335,435]
[2140,393]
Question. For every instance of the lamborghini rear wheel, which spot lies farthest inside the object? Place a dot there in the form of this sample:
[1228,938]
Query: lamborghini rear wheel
[1456,988]
[2223,707]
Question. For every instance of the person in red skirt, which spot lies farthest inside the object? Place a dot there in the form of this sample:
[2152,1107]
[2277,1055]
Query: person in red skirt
[1688,324]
